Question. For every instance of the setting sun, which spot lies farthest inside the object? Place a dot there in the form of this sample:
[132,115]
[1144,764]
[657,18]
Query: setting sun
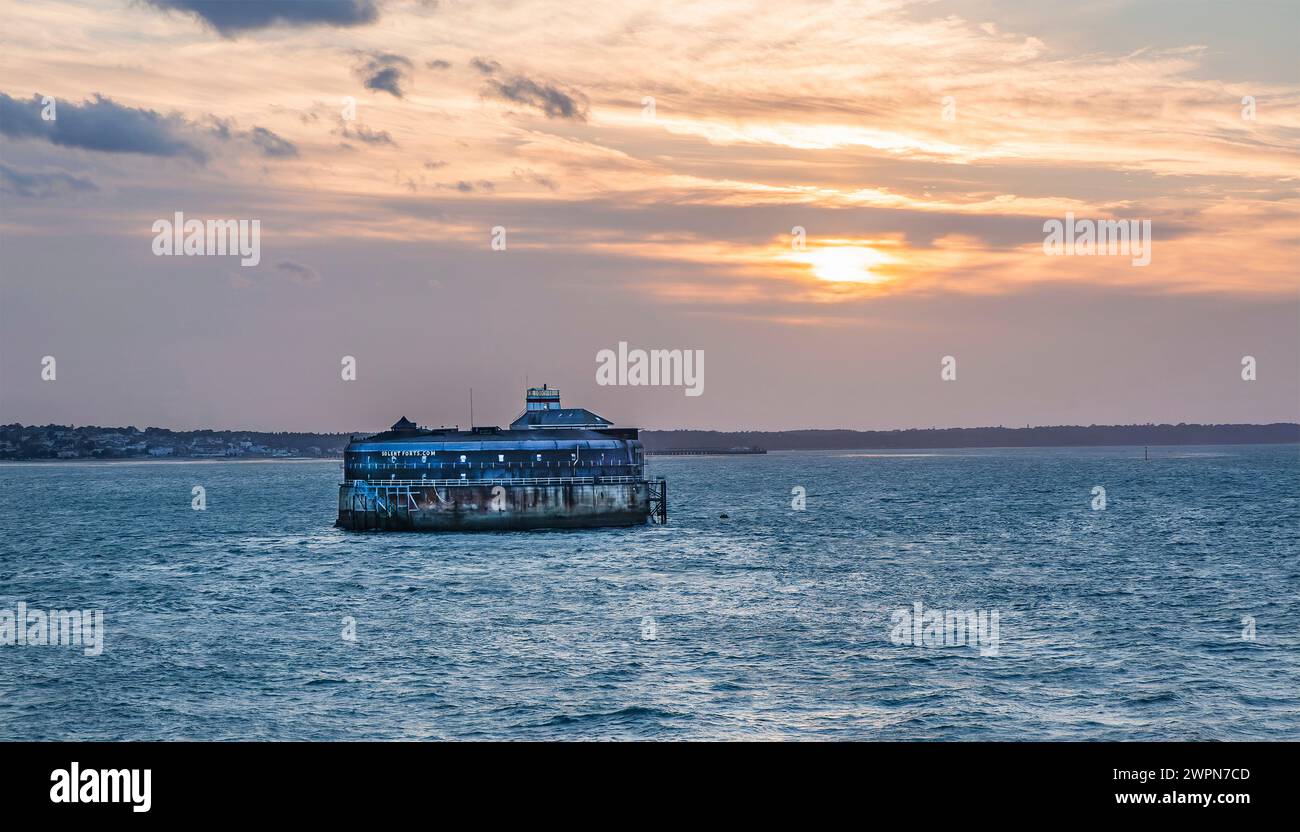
[845,264]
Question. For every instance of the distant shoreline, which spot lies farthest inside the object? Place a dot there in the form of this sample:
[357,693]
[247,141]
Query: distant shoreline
[882,452]
[1047,436]
[18,463]
[64,443]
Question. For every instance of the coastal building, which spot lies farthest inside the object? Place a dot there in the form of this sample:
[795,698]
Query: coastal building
[554,467]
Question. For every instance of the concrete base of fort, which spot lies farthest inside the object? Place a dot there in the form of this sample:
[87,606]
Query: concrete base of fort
[488,506]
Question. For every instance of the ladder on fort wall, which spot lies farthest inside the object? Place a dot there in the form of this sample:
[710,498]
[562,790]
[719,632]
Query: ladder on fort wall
[381,507]
[658,490]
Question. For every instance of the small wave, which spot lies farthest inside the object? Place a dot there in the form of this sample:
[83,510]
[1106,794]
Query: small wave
[632,713]
[1155,698]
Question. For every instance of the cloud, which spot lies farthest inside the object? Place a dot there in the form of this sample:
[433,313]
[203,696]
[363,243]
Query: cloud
[435,165]
[230,17]
[535,177]
[365,134]
[41,185]
[383,71]
[299,273]
[100,124]
[269,143]
[103,125]
[273,145]
[388,79]
[467,187]
[551,100]
[438,63]
[484,65]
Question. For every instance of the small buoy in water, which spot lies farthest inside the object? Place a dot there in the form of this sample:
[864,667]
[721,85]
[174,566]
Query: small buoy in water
[723,516]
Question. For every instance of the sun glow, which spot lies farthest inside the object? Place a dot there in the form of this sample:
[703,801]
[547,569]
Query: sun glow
[845,264]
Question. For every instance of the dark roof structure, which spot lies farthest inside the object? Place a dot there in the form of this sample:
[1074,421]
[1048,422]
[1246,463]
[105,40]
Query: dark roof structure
[567,417]
[543,420]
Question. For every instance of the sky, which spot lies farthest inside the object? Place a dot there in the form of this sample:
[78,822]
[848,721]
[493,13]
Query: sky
[838,203]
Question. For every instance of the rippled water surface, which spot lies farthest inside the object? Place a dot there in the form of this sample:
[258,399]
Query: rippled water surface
[1125,623]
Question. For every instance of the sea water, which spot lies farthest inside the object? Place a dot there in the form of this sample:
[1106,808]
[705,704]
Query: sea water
[1170,609]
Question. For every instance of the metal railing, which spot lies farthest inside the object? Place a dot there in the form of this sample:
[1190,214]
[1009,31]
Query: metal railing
[376,484]
[581,462]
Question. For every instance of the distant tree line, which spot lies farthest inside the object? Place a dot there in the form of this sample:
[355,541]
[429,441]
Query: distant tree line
[93,442]
[1046,436]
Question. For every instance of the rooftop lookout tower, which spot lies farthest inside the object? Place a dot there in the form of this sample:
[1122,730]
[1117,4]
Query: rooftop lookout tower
[542,411]
[542,398]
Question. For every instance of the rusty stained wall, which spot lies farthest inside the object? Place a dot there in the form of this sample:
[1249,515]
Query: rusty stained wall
[476,507]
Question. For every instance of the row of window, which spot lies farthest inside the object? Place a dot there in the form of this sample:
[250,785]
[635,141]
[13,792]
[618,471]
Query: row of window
[424,460]
[586,463]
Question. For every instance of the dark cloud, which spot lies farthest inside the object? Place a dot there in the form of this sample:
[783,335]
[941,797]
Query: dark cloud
[550,99]
[435,165]
[272,145]
[223,128]
[363,133]
[388,79]
[485,66]
[103,125]
[383,71]
[100,124]
[438,63]
[299,273]
[230,17]
[41,184]
[269,143]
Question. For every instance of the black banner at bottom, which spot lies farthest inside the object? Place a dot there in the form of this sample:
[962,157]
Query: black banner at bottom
[339,781]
